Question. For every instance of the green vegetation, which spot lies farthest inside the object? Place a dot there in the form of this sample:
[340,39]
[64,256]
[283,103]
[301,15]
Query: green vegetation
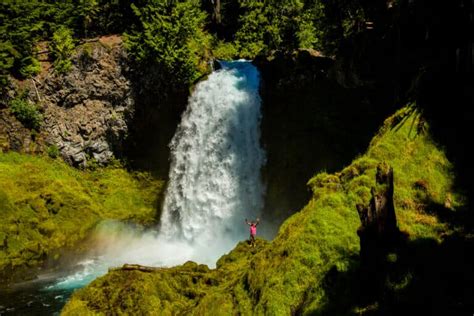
[177,37]
[47,205]
[25,23]
[175,289]
[170,36]
[53,151]
[310,267]
[256,27]
[26,112]
[30,66]
[61,47]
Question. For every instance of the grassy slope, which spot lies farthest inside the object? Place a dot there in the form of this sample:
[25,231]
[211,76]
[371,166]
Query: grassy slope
[47,205]
[290,274]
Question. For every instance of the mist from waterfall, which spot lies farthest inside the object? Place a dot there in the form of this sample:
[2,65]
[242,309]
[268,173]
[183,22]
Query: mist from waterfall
[214,183]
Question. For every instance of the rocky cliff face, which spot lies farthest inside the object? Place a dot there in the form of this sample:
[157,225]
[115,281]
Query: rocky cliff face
[85,111]
[310,123]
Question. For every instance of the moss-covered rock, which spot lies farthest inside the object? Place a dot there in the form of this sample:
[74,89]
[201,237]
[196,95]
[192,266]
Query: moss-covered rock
[47,205]
[311,265]
[189,288]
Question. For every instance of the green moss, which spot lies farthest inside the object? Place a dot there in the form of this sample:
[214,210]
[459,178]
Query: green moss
[293,273]
[190,288]
[47,205]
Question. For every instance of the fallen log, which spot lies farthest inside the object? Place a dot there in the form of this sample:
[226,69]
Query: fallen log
[139,268]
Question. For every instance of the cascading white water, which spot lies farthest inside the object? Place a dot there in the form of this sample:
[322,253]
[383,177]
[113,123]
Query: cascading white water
[214,182]
[216,159]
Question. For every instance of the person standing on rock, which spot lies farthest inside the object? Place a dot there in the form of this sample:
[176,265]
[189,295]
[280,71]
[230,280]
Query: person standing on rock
[253,230]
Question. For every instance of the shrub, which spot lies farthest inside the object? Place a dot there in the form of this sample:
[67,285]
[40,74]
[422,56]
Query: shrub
[250,38]
[53,151]
[30,67]
[7,60]
[61,48]
[225,51]
[27,113]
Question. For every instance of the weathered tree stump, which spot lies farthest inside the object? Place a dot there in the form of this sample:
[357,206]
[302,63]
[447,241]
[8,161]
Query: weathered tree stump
[378,232]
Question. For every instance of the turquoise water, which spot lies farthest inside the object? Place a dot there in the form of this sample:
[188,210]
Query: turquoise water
[33,299]
[47,294]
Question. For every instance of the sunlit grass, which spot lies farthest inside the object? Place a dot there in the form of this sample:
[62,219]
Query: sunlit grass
[47,205]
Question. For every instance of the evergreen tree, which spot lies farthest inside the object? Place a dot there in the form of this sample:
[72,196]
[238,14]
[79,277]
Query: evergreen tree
[170,37]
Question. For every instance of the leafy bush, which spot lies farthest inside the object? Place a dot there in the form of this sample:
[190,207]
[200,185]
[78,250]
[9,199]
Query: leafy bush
[258,27]
[224,50]
[24,23]
[27,113]
[53,151]
[30,67]
[62,47]
[277,25]
[251,35]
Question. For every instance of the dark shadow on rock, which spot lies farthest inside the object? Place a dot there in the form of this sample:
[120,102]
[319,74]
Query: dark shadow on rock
[151,127]
[310,124]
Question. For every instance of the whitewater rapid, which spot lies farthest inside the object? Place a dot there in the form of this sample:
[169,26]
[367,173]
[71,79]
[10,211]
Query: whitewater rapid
[214,183]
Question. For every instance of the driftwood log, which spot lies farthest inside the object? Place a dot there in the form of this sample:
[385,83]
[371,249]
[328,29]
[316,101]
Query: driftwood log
[139,268]
[378,232]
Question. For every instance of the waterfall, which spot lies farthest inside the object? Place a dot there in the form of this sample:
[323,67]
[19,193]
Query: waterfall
[216,160]
[214,183]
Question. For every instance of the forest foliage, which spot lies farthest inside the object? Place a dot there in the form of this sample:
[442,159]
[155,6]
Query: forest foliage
[169,36]
[173,35]
[25,23]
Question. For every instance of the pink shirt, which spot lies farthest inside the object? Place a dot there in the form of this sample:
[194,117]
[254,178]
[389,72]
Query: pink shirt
[253,230]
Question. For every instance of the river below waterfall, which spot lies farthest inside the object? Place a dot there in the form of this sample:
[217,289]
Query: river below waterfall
[214,184]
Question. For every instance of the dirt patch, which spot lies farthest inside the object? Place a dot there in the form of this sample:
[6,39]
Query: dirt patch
[111,40]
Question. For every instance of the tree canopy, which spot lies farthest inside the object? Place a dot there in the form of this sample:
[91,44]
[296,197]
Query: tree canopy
[175,35]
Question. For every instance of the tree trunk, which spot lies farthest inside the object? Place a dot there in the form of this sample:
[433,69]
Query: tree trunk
[217,11]
[378,232]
